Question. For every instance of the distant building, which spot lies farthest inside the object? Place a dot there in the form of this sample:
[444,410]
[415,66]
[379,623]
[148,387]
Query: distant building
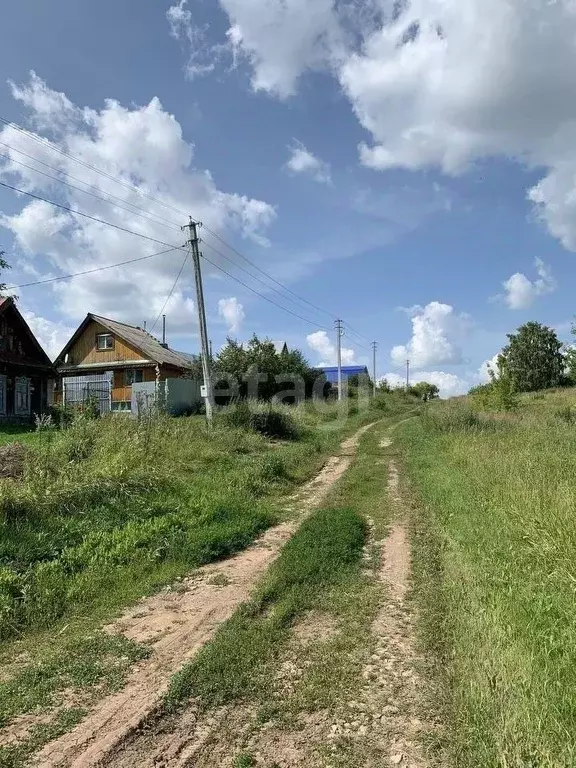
[331,372]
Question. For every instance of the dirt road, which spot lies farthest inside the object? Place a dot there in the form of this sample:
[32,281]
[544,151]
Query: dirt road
[177,623]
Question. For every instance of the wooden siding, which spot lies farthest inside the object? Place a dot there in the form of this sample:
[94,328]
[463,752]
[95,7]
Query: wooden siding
[122,393]
[84,350]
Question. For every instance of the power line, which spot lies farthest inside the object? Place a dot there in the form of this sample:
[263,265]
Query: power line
[51,145]
[144,213]
[171,291]
[133,187]
[86,215]
[266,298]
[90,271]
[239,253]
[350,328]
[243,269]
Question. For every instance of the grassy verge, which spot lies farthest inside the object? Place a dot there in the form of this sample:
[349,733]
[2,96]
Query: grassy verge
[495,548]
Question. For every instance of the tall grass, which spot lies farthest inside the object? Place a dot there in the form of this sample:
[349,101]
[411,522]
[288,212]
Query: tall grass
[499,544]
[112,507]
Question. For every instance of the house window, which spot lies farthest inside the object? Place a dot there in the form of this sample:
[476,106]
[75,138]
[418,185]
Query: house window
[3,394]
[133,376]
[22,396]
[104,341]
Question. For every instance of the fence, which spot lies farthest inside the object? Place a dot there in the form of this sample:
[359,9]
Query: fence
[77,390]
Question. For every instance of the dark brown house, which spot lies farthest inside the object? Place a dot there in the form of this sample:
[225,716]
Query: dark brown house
[27,375]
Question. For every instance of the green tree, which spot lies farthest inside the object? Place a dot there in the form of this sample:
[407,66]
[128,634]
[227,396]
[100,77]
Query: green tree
[3,265]
[533,358]
[424,390]
[570,357]
[258,368]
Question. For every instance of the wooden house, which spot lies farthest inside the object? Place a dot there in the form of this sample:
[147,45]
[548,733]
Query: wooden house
[104,358]
[26,373]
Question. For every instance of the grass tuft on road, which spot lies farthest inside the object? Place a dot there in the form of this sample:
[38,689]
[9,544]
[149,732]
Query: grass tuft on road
[324,552]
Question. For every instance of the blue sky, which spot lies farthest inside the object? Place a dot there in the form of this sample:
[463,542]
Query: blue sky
[418,185]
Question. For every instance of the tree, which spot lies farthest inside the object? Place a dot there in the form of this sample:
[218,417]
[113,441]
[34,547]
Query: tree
[533,358]
[3,265]
[570,357]
[424,390]
[259,359]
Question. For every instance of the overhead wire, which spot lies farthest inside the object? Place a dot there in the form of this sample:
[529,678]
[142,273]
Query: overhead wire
[87,192]
[86,215]
[90,271]
[147,215]
[133,187]
[262,296]
[171,291]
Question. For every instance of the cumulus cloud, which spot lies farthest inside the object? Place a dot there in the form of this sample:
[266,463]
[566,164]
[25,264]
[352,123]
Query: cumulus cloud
[325,348]
[436,83]
[521,292]
[232,312]
[483,374]
[448,383]
[51,335]
[303,161]
[437,332]
[142,147]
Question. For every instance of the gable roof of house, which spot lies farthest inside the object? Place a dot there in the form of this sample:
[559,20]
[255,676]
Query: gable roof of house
[43,360]
[137,337]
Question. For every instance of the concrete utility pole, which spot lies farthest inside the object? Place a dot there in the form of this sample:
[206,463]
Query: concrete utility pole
[374,348]
[407,375]
[339,333]
[193,245]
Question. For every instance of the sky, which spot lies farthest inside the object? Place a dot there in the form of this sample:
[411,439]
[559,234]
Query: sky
[407,166]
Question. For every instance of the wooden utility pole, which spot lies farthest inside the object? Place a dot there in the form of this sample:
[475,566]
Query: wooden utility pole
[339,332]
[193,246]
[407,375]
[374,348]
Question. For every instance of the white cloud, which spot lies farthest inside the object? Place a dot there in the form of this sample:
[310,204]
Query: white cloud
[304,161]
[325,348]
[282,38]
[137,145]
[436,83]
[448,383]
[202,56]
[232,312]
[52,336]
[521,292]
[483,374]
[437,332]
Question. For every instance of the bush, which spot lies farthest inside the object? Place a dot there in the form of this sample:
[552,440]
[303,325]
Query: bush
[269,420]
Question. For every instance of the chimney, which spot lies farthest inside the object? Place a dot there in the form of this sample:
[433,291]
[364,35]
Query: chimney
[164,332]
[144,324]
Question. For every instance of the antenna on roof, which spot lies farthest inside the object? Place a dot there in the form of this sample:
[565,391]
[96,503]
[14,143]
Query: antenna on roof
[164,332]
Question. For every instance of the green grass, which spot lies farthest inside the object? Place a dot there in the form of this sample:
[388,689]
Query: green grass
[495,568]
[323,554]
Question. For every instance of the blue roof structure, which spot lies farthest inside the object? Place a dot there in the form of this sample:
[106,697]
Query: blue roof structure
[331,372]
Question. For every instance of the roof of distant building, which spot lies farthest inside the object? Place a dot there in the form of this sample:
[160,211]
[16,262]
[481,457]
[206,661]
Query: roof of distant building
[331,372]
